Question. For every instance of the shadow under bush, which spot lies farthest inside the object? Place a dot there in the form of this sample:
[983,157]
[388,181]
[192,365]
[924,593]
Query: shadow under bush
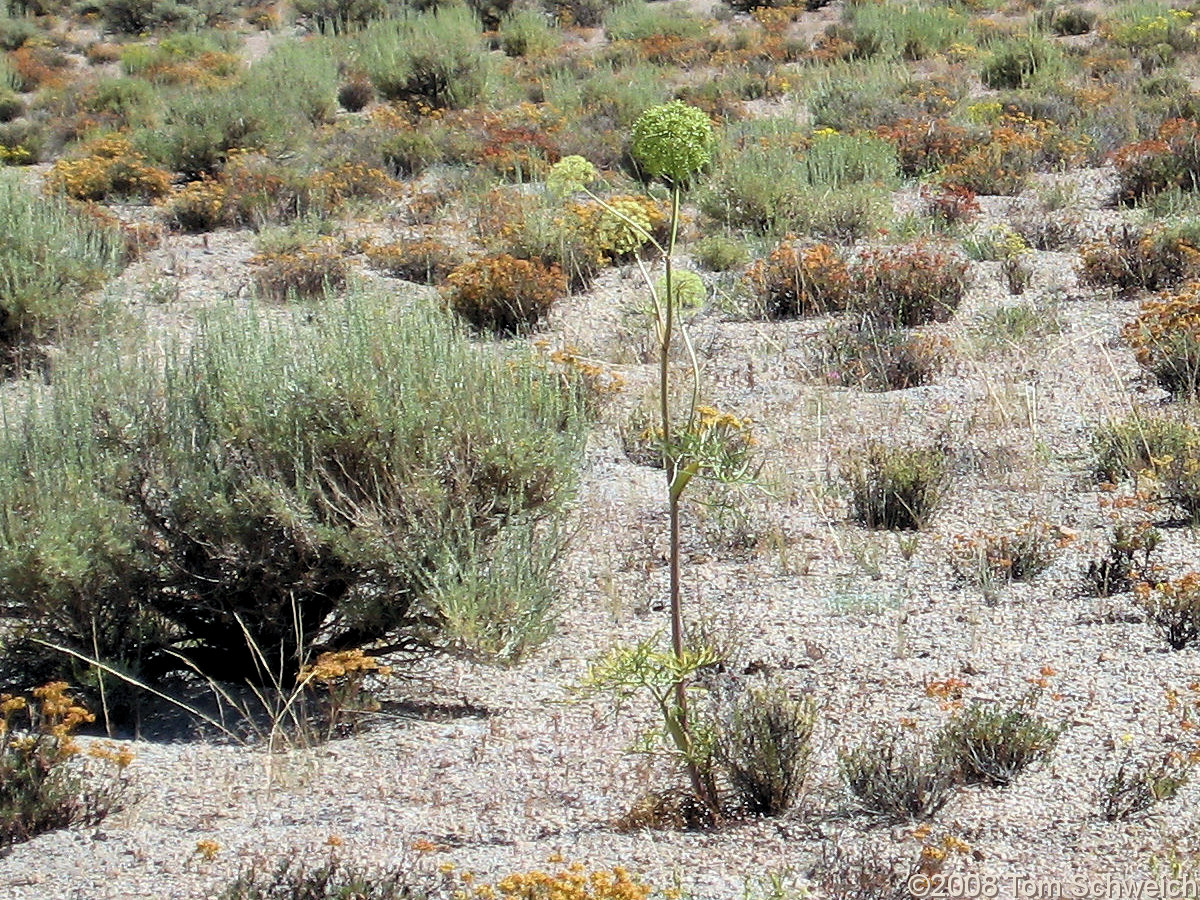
[301,484]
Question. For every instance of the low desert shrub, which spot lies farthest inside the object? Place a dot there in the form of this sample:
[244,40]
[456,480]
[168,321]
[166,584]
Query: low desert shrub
[108,168]
[908,285]
[182,59]
[286,485]
[333,880]
[41,787]
[898,776]
[11,105]
[993,742]
[302,76]
[1138,784]
[22,143]
[924,146]
[895,487]
[910,32]
[1067,20]
[1128,448]
[950,205]
[50,255]
[1017,63]
[834,190]
[356,95]
[718,253]
[1165,338]
[1169,160]
[198,207]
[765,747]
[879,359]
[999,165]
[138,16]
[1173,609]
[800,280]
[339,17]
[990,558]
[306,273]
[504,294]
[1131,259]
[435,59]
[1126,560]
[427,261]
[528,32]
[202,128]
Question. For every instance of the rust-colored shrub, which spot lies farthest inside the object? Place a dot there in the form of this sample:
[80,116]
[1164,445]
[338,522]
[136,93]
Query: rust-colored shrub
[1131,259]
[303,274]
[425,261]
[1165,338]
[505,294]
[907,286]
[798,280]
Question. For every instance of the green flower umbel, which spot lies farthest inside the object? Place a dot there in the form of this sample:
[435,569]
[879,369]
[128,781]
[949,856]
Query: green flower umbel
[673,141]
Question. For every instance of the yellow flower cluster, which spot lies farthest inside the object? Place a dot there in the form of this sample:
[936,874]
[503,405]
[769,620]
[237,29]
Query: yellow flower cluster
[336,665]
[575,882]
[111,167]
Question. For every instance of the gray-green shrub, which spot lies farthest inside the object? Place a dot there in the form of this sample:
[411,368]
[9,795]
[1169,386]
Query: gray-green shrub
[768,177]
[437,58]
[49,255]
[303,76]
[306,483]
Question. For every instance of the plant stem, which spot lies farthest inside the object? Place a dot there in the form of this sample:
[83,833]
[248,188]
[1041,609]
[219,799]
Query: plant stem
[701,786]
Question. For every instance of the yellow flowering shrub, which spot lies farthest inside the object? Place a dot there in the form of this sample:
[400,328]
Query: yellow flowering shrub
[40,790]
[199,206]
[110,167]
[1165,338]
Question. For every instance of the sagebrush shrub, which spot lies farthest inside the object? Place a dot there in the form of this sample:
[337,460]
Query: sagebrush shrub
[295,481]
[718,253]
[992,742]
[1068,20]
[1016,63]
[799,280]
[51,254]
[343,16]
[504,294]
[765,748]
[895,487]
[436,59]
[898,776]
[908,285]
[201,129]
